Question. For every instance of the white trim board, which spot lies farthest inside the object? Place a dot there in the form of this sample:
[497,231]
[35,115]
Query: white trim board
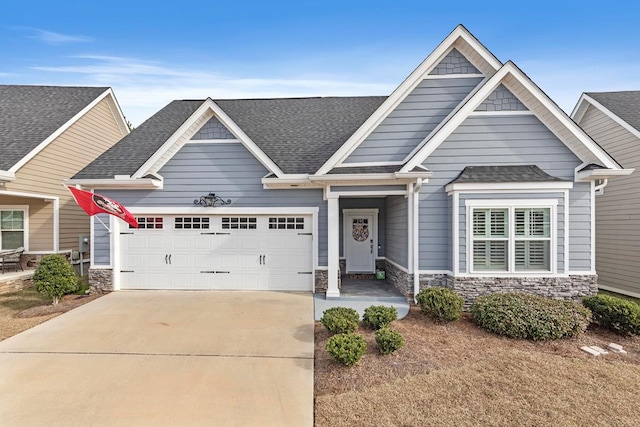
[471,187]
[581,108]
[509,69]
[208,108]
[401,92]
[67,125]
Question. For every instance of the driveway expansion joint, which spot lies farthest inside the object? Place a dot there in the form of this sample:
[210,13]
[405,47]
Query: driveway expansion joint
[102,353]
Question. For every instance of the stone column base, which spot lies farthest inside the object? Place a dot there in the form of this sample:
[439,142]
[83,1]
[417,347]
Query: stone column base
[101,280]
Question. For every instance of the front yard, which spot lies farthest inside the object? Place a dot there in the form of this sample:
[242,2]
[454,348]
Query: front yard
[457,374]
[23,309]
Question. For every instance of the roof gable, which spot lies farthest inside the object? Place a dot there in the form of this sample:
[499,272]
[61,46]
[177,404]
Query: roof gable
[537,102]
[463,42]
[622,107]
[33,116]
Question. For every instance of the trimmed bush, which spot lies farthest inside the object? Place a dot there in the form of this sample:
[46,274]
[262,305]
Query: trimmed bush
[379,316]
[55,277]
[533,317]
[441,304]
[619,315]
[347,349]
[340,320]
[388,340]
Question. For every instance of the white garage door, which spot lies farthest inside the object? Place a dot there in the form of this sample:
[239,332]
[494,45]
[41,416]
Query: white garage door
[259,252]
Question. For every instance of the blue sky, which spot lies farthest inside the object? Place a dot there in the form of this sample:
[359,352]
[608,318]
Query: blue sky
[154,52]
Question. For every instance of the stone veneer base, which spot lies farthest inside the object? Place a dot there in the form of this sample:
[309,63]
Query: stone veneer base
[101,280]
[573,287]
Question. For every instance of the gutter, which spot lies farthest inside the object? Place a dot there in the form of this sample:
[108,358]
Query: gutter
[118,183]
[593,174]
[6,176]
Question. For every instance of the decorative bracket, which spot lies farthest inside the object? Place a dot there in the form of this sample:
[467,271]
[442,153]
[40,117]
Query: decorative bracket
[210,200]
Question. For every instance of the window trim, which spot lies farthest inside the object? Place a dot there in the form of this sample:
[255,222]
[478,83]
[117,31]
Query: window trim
[511,205]
[25,210]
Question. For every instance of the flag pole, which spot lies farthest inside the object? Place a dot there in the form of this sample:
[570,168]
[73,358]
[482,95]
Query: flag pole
[103,224]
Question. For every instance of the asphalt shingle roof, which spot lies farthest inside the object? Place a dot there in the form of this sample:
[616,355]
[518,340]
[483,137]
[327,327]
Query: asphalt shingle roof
[298,134]
[624,104]
[500,174]
[132,151]
[30,114]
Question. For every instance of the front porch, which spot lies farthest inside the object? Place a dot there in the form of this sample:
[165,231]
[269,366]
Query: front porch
[360,293]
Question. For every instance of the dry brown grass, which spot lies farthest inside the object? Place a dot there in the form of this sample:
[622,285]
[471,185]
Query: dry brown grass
[457,374]
[23,309]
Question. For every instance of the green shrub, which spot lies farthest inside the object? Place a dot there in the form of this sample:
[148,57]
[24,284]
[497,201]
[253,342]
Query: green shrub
[440,304]
[55,277]
[379,316]
[619,315]
[388,340]
[532,317]
[340,320]
[347,349]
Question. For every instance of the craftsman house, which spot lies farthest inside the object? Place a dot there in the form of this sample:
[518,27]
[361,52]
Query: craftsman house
[612,119]
[466,176]
[47,135]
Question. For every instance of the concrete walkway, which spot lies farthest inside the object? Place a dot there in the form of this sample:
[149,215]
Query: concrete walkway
[165,358]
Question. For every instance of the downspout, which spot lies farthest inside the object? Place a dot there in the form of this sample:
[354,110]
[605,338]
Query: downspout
[416,238]
[601,186]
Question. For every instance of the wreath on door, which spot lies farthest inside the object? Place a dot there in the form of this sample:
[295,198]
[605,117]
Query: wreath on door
[360,230]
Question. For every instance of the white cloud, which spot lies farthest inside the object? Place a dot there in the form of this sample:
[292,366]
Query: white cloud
[143,87]
[56,38]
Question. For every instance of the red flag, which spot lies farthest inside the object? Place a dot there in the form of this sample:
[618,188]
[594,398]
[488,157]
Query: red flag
[93,203]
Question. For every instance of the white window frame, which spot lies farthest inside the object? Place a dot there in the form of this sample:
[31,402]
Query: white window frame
[25,226]
[510,205]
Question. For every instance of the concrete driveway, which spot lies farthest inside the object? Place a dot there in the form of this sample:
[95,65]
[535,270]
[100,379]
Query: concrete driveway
[165,358]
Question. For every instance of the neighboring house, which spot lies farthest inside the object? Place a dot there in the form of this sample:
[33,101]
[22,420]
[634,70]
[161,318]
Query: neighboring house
[466,176]
[612,119]
[47,135]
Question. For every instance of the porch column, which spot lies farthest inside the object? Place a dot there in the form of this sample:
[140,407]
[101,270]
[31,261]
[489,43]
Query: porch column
[333,225]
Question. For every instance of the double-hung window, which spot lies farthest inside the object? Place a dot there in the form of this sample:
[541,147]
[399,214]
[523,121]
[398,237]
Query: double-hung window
[511,239]
[12,228]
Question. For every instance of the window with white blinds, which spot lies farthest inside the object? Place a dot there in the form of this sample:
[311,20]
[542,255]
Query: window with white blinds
[532,239]
[511,239]
[490,239]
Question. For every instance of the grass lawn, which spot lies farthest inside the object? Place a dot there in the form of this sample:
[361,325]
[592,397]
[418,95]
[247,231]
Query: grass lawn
[23,309]
[459,375]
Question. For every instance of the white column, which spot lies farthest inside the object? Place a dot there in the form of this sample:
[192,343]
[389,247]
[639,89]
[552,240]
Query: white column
[333,225]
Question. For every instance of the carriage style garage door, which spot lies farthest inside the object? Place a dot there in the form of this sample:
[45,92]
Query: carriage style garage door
[259,252]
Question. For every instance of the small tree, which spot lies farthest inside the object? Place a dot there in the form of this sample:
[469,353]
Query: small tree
[55,277]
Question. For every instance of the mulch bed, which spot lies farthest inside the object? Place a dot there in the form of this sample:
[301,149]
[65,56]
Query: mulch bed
[431,346]
[67,303]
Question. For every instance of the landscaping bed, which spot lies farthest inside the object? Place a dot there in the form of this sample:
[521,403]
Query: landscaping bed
[458,374]
[25,308]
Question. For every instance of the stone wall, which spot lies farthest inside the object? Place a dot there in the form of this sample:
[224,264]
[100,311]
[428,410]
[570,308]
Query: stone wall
[568,288]
[100,280]
[322,281]
[400,279]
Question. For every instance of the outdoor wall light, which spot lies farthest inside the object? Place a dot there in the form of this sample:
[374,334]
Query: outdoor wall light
[210,200]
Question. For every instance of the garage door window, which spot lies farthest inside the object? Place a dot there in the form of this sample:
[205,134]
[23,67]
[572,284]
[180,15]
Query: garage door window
[239,223]
[286,223]
[149,223]
[191,223]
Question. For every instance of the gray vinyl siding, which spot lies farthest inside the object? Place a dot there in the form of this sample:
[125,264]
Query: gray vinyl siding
[229,171]
[454,63]
[559,197]
[618,209]
[365,204]
[413,119]
[101,246]
[487,141]
[365,188]
[397,229]
[580,227]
